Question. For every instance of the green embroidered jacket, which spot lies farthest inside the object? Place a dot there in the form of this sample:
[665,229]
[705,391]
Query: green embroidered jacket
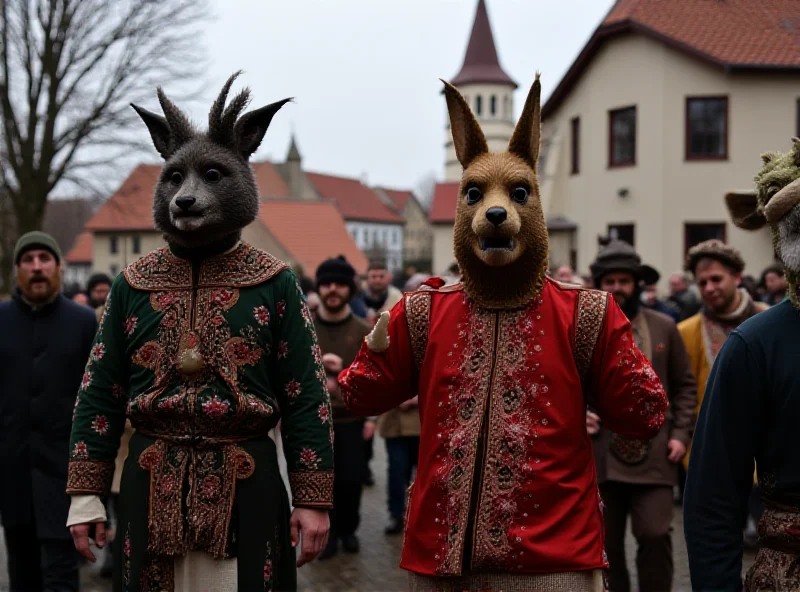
[245,315]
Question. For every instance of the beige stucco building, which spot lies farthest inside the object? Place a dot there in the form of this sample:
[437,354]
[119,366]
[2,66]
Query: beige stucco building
[647,133]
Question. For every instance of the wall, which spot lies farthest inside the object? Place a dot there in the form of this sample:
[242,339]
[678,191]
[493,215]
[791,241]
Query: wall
[497,128]
[417,234]
[664,190]
[112,263]
[442,248]
[386,237]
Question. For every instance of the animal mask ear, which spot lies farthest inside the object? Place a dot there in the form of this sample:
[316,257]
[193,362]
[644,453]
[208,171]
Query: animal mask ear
[251,127]
[159,130]
[744,211]
[468,138]
[526,137]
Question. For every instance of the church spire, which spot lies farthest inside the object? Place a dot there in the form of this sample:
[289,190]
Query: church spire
[294,152]
[481,64]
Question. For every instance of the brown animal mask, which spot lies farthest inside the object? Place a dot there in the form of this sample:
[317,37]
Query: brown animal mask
[500,235]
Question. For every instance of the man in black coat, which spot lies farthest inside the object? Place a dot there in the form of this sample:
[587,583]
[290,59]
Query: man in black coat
[44,345]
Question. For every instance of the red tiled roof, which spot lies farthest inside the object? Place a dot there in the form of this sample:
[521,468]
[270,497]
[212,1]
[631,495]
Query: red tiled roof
[732,34]
[443,204]
[131,206]
[355,200]
[398,197]
[481,64]
[311,231]
[81,251]
[269,181]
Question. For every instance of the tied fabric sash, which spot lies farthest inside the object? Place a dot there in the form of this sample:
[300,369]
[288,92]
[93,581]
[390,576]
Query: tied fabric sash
[777,564]
[207,475]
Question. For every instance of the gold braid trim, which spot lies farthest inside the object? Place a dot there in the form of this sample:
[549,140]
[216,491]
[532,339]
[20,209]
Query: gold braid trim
[89,477]
[590,314]
[312,489]
[418,308]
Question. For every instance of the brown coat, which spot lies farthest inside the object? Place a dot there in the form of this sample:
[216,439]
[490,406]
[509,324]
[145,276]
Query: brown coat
[399,422]
[640,461]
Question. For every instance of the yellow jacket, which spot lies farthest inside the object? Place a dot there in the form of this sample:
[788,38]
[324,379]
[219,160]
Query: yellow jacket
[691,331]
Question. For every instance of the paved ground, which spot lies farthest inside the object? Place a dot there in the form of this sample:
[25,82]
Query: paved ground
[375,568]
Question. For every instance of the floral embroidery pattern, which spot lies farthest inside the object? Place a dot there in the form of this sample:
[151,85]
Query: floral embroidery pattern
[309,458]
[126,552]
[129,326]
[261,314]
[216,407]
[86,380]
[97,352]
[324,413]
[118,392]
[283,350]
[268,568]
[293,389]
[281,307]
[80,451]
[100,425]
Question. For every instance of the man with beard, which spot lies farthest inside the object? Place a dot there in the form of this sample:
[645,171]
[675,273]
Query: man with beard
[637,477]
[98,288]
[340,334]
[44,344]
[380,294]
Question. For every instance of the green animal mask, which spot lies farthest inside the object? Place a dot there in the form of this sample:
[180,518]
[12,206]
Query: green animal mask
[776,202]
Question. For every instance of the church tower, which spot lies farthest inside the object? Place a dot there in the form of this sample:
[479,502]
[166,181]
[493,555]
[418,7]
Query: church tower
[488,90]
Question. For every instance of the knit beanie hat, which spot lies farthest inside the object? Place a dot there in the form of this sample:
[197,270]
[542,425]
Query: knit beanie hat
[337,270]
[97,279]
[36,240]
[617,255]
[717,250]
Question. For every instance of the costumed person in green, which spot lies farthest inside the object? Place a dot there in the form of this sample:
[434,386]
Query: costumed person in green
[205,345]
[749,416]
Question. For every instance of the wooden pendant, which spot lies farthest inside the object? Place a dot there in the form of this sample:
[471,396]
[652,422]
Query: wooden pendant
[190,359]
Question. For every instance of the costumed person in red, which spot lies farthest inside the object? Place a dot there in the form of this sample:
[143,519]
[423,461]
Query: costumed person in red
[505,364]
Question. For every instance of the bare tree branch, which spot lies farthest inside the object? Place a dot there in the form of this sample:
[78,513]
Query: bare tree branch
[68,70]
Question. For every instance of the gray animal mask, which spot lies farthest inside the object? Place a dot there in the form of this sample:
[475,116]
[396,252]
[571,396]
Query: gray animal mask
[207,192]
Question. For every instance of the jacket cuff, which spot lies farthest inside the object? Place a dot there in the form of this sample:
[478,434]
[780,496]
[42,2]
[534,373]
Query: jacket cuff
[90,477]
[682,435]
[312,489]
[85,509]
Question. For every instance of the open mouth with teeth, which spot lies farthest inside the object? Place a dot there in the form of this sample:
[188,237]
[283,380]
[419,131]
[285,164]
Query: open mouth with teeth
[497,244]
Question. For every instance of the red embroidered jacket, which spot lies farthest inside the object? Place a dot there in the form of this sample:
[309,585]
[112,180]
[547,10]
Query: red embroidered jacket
[506,479]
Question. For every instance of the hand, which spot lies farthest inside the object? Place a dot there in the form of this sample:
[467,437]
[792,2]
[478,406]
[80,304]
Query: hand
[677,450]
[313,526]
[332,363]
[369,429]
[80,536]
[405,405]
[592,423]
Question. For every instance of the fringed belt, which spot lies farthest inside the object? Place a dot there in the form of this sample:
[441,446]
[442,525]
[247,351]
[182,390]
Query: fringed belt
[208,468]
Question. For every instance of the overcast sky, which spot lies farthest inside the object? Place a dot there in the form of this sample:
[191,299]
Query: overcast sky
[365,73]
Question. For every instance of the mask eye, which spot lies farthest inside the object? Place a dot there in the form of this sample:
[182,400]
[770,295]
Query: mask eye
[474,195]
[213,176]
[176,178]
[520,195]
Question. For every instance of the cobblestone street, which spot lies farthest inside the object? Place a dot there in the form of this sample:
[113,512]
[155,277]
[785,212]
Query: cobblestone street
[375,567]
